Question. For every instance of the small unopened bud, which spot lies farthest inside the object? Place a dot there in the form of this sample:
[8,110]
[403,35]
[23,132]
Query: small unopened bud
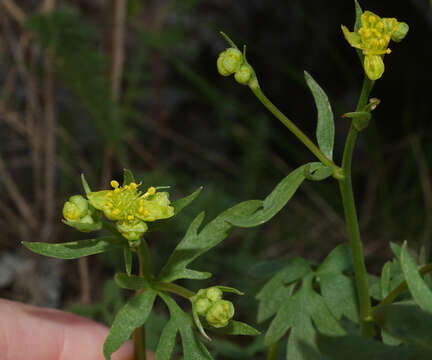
[132,230]
[75,208]
[401,32]
[229,61]
[220,313]
[202,306]
[244,74]
[374,66]
[214,294]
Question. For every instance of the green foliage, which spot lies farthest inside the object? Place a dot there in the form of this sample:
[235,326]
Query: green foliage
[77,249]
[417,286]
[182,323]
[275,201]
[131,316]
[325,126]
[196,243]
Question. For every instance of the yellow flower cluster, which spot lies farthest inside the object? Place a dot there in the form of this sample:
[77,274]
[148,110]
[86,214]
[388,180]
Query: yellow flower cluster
[373,39]
[131,208]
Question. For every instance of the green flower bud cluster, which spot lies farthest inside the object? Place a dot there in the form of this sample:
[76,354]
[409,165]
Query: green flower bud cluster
[209,304]
[79,214]
[232,61]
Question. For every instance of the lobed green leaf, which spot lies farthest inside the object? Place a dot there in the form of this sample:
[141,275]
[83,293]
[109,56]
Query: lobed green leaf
[275,201]
[339,293]
[359,348]
[76,249]
[193,349]
[325,126]
[131,316]
[237,328]
[416,285]
[195,243]
[406,322]
[280,287]
[338,261]
[130,282]
[167,341]
[180,204]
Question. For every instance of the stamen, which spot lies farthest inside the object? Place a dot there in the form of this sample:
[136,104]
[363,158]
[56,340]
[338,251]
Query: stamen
[114,184]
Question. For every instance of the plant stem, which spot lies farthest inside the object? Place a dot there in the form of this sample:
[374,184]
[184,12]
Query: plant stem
[293,128]
[139,343]
[144,272]
[401,287]
[345,185]
[273,351]
[173,288]
[144,260]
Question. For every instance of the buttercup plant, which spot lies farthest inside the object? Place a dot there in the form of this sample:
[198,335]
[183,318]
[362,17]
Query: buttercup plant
[331,310]
[136,213]
[328,309]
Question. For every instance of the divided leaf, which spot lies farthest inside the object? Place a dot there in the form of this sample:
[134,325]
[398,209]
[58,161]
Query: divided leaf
[237,328]
[275,201]
[193,349]
[130,282]
[339,293]
[301,313]
[280,287]
[325,127]
[195,243]
[406,322]
[167,341]
[180,204]
[76,249]
[131,316]
[359,348]
[338,261]
[417,286]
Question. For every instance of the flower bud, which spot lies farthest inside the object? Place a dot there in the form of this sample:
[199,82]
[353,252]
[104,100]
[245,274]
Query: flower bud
[244,74]
[401,32]
[132,230]
[220,66]
[374,66]
[220,313]
[202,306]
[75,208]
[229,61]
[214,294]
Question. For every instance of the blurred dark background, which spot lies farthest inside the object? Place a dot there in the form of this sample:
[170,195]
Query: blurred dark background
[95,86]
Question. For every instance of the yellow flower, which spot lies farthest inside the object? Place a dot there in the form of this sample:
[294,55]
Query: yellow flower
[131,208]
[373,39]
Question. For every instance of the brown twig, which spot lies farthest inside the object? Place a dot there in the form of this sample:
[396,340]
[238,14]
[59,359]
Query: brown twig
[118,21]
[16,195]
[50,133]
[15,11]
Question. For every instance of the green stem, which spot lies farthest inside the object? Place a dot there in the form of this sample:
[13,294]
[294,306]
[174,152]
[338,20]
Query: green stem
[144,272]
[293,128]
[144,260]
[173,288]
[273,351]
[401,287]
[139,343]
[345,185]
